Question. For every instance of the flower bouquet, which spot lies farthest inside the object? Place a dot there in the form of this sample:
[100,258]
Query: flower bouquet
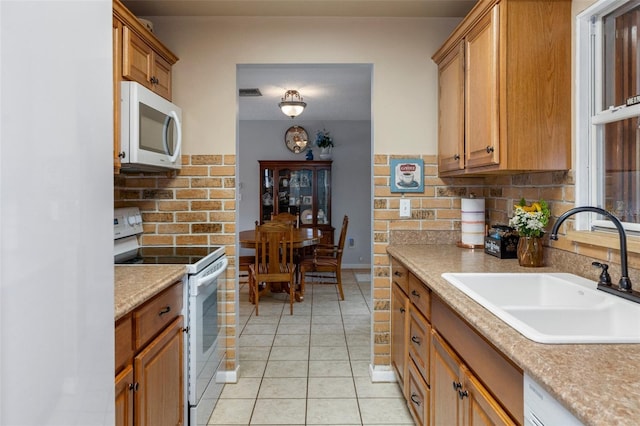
[530,221]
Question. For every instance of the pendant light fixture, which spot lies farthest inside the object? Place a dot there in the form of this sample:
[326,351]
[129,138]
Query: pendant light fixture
[292,104]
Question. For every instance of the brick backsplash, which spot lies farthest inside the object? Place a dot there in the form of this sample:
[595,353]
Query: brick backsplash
[197,206]
[193,206]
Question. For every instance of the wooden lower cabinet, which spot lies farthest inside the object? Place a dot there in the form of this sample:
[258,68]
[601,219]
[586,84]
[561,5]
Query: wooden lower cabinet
[149,367]
[124,397]
[457,396]
[399,327]
[159,373]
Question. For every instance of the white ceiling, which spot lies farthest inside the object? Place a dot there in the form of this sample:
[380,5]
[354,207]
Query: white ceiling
[397,8]
[332,92]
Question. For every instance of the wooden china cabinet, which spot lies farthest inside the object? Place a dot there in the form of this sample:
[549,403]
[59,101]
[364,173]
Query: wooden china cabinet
[298,187]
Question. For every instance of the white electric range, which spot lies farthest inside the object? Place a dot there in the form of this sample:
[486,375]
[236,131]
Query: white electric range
[205,265]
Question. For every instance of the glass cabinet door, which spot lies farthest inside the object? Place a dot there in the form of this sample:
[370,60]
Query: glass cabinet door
[266,195]
[323,186]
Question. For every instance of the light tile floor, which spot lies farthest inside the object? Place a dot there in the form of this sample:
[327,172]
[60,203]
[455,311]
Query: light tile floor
[311,368]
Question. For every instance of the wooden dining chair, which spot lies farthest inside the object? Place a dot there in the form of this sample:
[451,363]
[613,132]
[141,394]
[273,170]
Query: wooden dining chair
[326,258]
[287,217]
[245,261]
[274,260]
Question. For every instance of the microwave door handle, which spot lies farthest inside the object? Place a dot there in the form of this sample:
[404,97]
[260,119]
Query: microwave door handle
[176,153]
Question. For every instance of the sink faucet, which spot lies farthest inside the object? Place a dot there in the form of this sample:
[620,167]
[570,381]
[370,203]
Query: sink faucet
[624,285]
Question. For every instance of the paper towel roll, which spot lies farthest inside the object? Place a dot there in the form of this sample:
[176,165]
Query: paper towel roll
[473,225]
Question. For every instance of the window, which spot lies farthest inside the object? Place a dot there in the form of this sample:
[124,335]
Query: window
[608,111]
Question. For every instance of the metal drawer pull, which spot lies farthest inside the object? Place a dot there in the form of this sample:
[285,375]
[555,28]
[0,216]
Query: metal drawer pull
[415,400]
[397,273]
[457,385]
[415,293]
[415,340]
[165,311]
[489,149]
[456,157]
[402,310]
[463,394]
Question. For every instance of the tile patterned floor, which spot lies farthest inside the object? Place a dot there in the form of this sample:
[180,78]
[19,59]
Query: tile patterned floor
[310,368]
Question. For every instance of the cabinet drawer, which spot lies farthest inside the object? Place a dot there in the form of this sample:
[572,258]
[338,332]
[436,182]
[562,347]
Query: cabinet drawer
[156,314]
[419,342]
[400,275]
[418,396]
[123,343]
[420,296]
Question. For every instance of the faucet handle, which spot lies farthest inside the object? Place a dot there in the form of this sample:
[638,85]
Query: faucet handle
[605,278]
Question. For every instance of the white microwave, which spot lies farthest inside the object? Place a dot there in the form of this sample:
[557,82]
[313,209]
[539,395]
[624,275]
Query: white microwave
[151,130]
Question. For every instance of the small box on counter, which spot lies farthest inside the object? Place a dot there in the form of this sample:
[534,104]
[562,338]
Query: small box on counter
[502,242]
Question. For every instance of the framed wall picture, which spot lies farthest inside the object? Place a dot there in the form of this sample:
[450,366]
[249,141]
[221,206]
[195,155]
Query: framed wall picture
[407,175]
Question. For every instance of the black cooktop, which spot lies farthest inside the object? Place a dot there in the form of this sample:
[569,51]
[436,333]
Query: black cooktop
[173,255]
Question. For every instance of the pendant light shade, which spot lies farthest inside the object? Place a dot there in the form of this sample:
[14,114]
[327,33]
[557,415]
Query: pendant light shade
[292,104]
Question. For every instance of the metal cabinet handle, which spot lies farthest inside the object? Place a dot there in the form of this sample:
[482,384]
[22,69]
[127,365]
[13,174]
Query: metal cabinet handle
[416,340]
[165,311]
[415,399]
[134,386]
[122,154]
[463,394]
[457,385]
[456,157]
[489,149]
[402,310]
[154,80]
[415,293]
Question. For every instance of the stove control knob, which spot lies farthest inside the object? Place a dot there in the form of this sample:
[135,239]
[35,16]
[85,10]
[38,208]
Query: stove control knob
[138,219]
[131,220]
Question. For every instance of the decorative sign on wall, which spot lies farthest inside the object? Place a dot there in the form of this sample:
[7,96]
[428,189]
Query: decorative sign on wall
[407,175]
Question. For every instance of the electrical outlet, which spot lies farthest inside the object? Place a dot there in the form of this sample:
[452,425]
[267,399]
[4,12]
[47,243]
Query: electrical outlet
[405,207]
[352,242]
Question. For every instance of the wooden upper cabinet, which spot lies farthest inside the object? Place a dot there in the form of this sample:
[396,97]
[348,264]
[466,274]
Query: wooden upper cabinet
[144,58]
[117,72]
[451,111]
[514,90]
[481,83]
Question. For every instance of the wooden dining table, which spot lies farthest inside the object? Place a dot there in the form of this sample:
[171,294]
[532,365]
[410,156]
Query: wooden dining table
[302,238]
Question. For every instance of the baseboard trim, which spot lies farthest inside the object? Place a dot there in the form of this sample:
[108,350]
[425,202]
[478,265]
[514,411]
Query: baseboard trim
[229,376]
[382,373]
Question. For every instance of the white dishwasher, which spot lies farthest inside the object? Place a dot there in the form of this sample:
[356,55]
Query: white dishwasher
[541,409]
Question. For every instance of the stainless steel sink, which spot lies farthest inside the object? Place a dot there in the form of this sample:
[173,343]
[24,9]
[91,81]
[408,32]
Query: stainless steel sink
[553,307]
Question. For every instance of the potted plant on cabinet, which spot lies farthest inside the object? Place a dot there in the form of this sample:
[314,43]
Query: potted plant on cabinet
[324,141]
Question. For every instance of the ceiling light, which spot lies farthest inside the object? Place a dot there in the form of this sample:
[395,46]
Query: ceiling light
[292,104]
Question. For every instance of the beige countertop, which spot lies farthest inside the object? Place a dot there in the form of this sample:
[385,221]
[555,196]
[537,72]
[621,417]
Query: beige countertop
[135,284]
[599,383]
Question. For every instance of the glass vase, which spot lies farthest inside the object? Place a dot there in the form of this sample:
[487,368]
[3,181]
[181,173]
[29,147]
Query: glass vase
[530,252]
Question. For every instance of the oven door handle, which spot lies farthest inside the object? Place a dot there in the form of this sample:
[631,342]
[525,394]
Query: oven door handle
[208,279]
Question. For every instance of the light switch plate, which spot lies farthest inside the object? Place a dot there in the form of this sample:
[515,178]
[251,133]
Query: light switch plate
[405,207]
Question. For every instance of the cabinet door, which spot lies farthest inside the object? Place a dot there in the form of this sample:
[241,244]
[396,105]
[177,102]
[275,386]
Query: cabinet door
[451,111]
[445,384]
[480,408]
[161,70]
[124,397]
[399,336]
[159,372]
[117,76]
[137,58]
[481,92]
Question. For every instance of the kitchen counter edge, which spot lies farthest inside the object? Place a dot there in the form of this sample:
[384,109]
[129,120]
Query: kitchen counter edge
[596,382]
[135,284]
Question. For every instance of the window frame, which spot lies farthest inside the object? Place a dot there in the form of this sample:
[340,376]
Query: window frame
[589,122]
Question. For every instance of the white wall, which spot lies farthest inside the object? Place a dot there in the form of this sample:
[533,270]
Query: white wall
[56,213]
[351,175]
[404,98]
